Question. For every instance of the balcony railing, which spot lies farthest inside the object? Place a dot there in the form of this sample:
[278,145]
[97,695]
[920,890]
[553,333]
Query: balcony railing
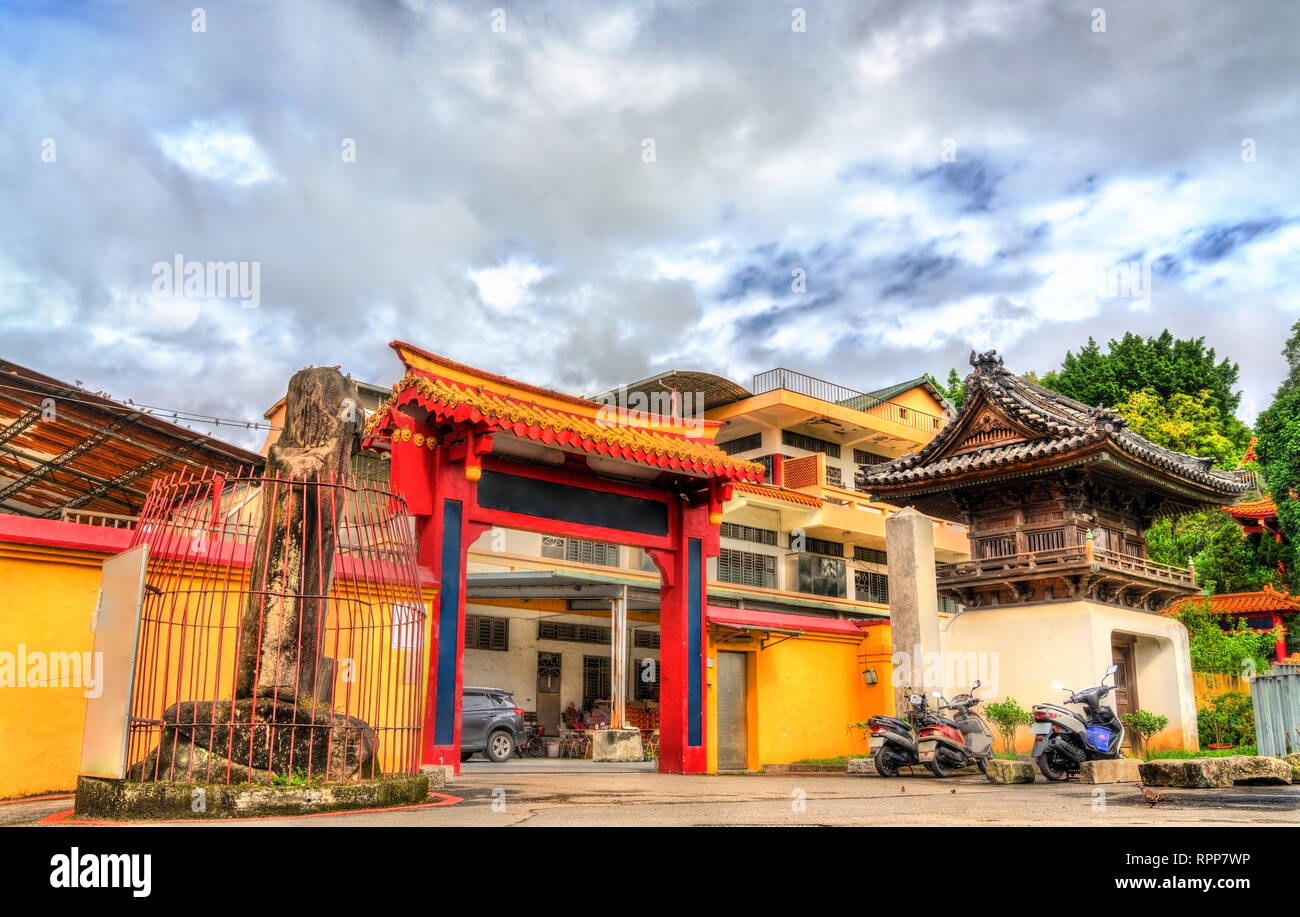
[801,384]
[1038,562]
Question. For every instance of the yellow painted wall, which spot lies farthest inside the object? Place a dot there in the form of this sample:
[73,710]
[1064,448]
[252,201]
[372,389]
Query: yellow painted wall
[46,600]
[804,693]
[47,596]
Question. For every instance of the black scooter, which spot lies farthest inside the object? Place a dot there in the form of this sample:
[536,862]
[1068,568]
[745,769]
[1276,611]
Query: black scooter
[1063,740]
[893,740]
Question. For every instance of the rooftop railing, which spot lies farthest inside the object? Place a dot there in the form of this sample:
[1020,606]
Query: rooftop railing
[802,384]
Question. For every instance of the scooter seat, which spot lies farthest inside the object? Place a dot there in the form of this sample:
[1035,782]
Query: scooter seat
[945,721]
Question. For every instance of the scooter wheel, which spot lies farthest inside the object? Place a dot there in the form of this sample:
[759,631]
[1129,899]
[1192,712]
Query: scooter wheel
[886,764]
[982,765]
[1051,768]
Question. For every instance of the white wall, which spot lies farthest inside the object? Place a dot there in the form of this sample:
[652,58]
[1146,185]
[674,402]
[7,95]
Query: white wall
[1030,646]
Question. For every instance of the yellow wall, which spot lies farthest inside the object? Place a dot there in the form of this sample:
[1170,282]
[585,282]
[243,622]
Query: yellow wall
[804,692]
[47,596]
[46,600]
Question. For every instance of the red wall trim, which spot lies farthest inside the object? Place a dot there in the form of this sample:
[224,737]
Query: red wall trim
[56,533]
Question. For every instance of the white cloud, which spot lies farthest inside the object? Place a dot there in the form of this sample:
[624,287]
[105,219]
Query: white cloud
[217,153]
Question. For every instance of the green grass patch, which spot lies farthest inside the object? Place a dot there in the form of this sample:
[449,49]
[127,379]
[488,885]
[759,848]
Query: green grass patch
[1181,754]
[839,761]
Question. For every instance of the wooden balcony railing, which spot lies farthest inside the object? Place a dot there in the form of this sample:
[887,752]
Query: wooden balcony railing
[1044,561]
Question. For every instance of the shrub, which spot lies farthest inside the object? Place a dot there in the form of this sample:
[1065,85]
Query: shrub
[1146,724]
[1007,716]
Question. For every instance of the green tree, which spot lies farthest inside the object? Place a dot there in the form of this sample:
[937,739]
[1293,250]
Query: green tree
[1225,558]
[1164,364]
[1230,652]
[1184,423]
[954,390]
[1278,451]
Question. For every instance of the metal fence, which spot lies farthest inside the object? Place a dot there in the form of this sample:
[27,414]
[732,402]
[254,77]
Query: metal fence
[803,384]
[282,633]
[1277,710]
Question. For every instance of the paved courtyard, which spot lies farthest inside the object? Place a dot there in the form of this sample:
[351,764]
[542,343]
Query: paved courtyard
[580,793]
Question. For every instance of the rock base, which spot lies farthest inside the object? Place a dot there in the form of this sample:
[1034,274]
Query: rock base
[1120,770]
[253,741]
[126,800]
[1207,773]
[860,766]
[616,745]
[1003,772]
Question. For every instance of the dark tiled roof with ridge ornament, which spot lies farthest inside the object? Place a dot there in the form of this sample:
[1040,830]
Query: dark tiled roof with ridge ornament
[1062,425]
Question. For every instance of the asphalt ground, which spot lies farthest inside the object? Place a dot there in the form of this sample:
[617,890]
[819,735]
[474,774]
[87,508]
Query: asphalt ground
[560,793]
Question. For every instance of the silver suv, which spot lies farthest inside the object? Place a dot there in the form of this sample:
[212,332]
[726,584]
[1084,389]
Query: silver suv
[489,723]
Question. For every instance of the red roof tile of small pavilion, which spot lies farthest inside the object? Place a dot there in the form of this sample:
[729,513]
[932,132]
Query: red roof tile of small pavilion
[1243,603]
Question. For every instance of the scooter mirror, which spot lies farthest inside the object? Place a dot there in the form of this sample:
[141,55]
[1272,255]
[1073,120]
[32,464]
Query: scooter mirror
[916,698]
[1112,670]
[1058,686]
[936,694]
[976,685]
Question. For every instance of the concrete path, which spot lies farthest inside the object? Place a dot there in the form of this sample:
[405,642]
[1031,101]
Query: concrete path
[576,793]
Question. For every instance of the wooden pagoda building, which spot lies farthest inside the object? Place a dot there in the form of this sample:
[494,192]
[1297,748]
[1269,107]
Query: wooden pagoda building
[1057,497]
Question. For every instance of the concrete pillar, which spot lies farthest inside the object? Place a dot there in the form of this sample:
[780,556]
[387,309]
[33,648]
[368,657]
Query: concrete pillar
[913,602]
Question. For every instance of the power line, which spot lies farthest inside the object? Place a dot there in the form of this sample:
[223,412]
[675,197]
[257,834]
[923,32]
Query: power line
[151,410]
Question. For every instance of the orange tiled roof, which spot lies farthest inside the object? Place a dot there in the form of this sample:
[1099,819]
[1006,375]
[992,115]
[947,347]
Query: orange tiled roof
[778,493]
[1262,507]
[583,428]
[1243,603]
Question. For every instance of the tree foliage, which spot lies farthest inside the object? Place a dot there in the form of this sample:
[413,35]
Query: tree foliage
[1146,724]
[954,389]
[1184,423]
[1278,453]
[1231,652]
[1166,365]
[1225,558]
[1008,716]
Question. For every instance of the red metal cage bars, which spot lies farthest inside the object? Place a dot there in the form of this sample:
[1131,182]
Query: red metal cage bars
[277,650]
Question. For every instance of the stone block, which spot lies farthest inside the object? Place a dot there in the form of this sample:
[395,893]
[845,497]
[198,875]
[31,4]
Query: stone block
[1001,772]
[861,766]
[616,745]
[440,775]
[1253,770]
[1120,770]
[1294,761]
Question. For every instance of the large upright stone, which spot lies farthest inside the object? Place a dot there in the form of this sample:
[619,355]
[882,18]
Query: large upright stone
[913,601]
[293,557]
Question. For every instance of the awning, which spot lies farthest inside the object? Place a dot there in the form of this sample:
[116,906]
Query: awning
[777,622]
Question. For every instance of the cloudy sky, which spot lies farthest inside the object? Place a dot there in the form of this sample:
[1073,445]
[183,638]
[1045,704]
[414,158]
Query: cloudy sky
[582,194]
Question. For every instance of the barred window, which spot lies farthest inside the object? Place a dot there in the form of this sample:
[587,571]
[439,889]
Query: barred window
[833,476]
[747,569]
[483,633]
[863,457]
[580,551]
[743,444]
[646,639]
[871,586]
[572,633]
[870,555]
[820,546]
[809,443]
[749,533]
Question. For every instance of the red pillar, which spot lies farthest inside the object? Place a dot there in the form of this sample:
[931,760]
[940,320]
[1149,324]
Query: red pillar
[683,598]
[441,498]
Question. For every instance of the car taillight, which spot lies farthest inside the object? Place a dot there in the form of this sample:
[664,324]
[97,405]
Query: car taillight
[518,711]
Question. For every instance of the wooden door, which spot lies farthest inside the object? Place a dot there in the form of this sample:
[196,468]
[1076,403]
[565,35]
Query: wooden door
[1125,699]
